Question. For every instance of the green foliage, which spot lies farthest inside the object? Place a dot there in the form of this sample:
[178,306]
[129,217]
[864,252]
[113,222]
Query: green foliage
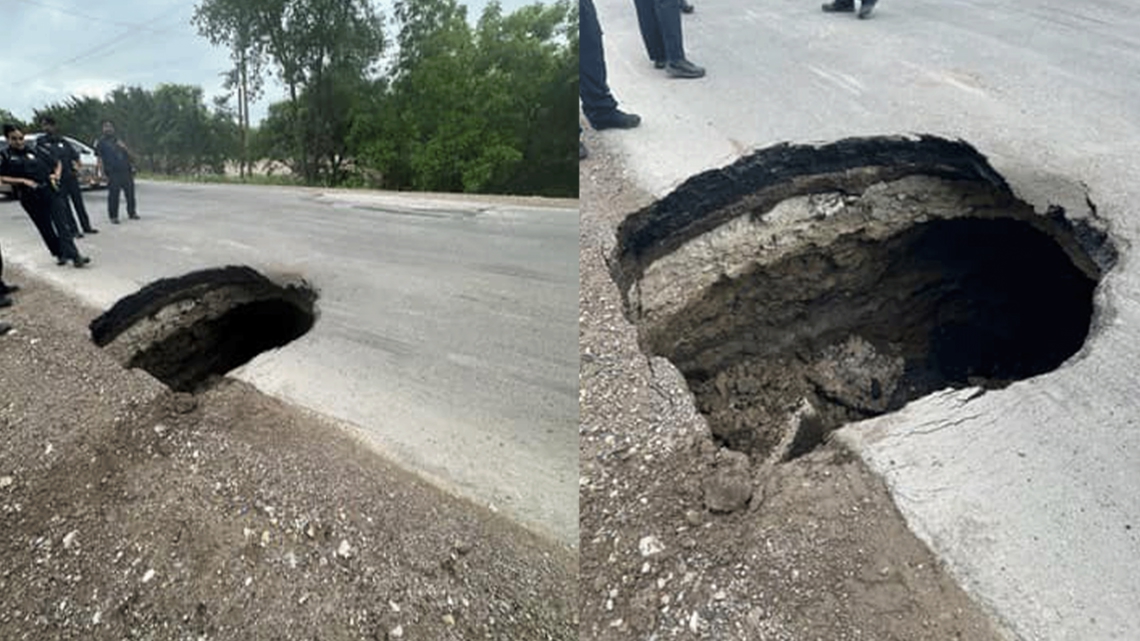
[9,118]
[169,130]
[490,107]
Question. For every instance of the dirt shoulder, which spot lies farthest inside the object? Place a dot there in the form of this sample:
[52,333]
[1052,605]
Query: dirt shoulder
[129,512]
[818,552]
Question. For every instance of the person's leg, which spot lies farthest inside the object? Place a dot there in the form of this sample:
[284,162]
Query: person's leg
[42,222]
[593,90]
[650,30]
[865,9]
[113,187]
[129,188]
[66,214]
[56,209]
[75,194]
[669,19]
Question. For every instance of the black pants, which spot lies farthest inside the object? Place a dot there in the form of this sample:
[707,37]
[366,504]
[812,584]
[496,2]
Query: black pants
[593,90]
[69,185]
[125,181]
[660,25]
[46,209]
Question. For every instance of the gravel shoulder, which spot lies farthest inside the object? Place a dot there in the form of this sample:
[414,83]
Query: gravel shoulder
[816,549]
[130,512]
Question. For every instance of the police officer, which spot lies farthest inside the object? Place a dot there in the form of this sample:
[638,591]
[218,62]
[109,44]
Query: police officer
[35,174]
[598,103]
[115,160]
[660,24]
[68,157]
[840,6]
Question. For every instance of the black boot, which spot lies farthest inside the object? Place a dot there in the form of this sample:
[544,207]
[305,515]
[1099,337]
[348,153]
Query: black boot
[839,5]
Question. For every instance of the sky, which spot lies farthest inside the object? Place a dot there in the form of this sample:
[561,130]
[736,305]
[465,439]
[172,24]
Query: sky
[53,49]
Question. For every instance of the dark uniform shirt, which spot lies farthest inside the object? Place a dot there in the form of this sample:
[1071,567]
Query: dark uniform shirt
[33,163]
[115,159]
[61,150]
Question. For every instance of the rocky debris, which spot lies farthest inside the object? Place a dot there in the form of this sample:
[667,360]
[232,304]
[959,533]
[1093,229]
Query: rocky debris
[6,481]
[856,375]
[650,545]
[344,551]
[183,403]
[236,488]
[729,487]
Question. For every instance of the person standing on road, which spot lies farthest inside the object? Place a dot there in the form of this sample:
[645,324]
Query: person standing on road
[599,105]
[660,24]
[35,175]
[115,162]
[848,6]
[68,157]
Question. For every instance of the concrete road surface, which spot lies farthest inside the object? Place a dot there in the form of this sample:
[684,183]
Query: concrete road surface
[447,330]
[1031,495]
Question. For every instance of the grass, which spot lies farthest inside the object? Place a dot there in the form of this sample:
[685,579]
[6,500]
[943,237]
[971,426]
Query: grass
[229,180]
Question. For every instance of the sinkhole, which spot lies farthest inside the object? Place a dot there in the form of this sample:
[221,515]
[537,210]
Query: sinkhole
[191,330]
[804,287]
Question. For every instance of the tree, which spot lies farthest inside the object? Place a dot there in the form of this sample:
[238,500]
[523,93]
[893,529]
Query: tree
[490,109]
[232,24]
[319,47]
[9,118]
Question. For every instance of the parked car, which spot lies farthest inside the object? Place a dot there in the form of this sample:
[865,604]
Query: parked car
[89,175]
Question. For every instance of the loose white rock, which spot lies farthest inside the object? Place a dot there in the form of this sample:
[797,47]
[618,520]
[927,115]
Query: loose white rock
[69,539]
[650,545]
[345,550]
[148,576]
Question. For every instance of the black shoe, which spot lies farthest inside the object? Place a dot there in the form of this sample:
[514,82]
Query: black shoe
[684,69]
[114,221]
[5,301]
[91,231]
[582,153]
[865,10]
[8,289]
[133,216]
[5,328]
[837,6]
[60,260]
[658,64]
[616,119]
[77,234]
[80,261]
[686,7]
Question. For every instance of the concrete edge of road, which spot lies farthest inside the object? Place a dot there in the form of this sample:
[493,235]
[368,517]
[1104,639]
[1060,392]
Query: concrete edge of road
[427,198]
[362,437]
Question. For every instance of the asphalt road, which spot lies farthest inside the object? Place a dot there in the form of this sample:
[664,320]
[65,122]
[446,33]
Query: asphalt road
[1030,495]
[447,330]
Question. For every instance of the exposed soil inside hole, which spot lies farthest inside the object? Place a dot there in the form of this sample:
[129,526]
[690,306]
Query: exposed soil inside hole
[832,297]
[191,330]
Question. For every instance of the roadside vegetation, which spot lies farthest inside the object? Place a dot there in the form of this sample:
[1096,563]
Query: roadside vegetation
[421,99]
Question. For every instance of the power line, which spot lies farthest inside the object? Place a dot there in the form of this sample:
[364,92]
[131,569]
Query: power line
[75,14]
[90,53]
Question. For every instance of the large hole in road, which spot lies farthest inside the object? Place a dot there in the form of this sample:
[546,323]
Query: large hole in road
[804,287]
[190,330]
